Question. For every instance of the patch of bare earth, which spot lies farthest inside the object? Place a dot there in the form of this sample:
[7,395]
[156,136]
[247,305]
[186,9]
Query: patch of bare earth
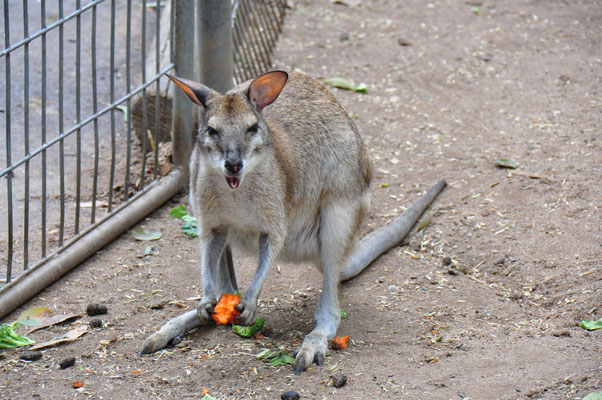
[482,304]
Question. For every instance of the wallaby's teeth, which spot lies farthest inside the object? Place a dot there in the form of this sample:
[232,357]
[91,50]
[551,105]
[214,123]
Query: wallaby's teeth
[233,181]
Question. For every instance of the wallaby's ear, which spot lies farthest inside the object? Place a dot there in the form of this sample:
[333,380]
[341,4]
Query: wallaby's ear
[198,93]
[266,88]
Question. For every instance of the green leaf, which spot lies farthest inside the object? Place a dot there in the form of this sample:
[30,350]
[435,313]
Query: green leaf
[148,250]
[248,331]
[593,396]
[506,163]
[207,397]
[155,4]
[146,234]
[591,325]
[346,84]
[189,227]
[263,354]
[33,316]
[178,212]
[476,10]
[425,220]
[276,358]
[124,110]
[343,314]
[282,358]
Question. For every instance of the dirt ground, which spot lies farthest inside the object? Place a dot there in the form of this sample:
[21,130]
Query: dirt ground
[482,304]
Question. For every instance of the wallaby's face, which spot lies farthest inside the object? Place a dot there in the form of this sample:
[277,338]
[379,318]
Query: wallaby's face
[233,134]
[232,137]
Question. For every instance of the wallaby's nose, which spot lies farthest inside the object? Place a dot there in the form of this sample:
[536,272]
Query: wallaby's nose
[233,167]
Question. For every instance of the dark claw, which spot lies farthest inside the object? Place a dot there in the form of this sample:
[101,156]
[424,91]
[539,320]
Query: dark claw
[295,353]
[175,341]
[146,349]
[299,365]
[319,359]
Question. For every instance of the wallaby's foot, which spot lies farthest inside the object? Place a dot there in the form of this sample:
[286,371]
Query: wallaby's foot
[204,310]
[312,350]
[248,311]
[159,340]
[171,332]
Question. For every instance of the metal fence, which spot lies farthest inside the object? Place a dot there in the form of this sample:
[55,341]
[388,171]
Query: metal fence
[77,173]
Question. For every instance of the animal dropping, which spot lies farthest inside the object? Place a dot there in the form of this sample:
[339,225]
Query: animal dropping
[279,169]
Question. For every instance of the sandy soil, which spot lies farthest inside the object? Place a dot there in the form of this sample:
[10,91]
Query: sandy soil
[482,304]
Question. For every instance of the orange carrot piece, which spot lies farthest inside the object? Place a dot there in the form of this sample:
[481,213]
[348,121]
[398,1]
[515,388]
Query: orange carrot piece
[224,311]
[340,343]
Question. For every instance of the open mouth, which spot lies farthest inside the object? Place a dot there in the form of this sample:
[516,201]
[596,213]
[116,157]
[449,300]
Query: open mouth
[233,181]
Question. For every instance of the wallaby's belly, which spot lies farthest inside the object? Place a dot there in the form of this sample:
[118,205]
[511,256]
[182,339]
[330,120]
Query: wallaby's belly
[301,243]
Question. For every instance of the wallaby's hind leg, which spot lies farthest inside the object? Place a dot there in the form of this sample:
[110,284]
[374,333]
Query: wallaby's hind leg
[336,239]
[182,324]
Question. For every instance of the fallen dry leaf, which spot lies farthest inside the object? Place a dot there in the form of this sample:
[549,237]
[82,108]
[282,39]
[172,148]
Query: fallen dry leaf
[70,336]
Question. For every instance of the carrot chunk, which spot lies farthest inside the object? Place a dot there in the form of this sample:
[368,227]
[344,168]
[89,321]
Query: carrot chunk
[340,343]
[224,311]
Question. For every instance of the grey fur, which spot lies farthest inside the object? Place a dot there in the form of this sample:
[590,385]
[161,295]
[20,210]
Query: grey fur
[288,182]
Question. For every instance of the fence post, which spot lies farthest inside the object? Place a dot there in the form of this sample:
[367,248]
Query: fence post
[182,55]
[215,44]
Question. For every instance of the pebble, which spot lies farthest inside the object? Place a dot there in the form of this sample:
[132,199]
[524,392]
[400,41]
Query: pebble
[96,309]
[267,330]
[96,323]
[67,362]
[290,396]
[446,261]
[31,355]
[339,380]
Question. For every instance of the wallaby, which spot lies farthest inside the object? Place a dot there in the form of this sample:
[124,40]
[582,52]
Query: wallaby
[278,168]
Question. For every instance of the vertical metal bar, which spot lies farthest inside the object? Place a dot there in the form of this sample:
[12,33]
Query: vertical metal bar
[94,110]
[250,28]
[251,65]
[128,84]
[61,123]
[274,10]
[78,155]
[26,136]
[9,179]
[157,88]
[144,105]
[43,133]
[281,6]
[268,22]
[112,97]
[182,55]
[215,44]
[261,36]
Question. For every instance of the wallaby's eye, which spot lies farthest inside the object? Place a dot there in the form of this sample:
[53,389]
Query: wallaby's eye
[253,129]
[212,132]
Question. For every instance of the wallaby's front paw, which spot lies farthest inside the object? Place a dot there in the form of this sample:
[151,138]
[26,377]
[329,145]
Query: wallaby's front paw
[204,310]
[248,311]
[312,350]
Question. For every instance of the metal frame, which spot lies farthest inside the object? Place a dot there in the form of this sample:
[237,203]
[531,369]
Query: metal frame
[54,183]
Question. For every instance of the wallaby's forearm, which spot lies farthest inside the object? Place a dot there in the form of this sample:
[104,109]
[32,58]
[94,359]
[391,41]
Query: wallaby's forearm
[381,240]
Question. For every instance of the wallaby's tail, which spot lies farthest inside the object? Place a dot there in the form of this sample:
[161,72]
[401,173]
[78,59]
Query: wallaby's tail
[381,240]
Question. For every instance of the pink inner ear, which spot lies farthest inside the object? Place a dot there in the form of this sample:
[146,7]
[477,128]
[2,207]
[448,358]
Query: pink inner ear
[266,88]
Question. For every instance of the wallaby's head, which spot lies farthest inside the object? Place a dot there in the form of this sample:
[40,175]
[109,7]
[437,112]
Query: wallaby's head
[232,132]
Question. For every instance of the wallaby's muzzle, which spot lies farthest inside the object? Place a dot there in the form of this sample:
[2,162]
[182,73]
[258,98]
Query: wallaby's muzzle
[233,172]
